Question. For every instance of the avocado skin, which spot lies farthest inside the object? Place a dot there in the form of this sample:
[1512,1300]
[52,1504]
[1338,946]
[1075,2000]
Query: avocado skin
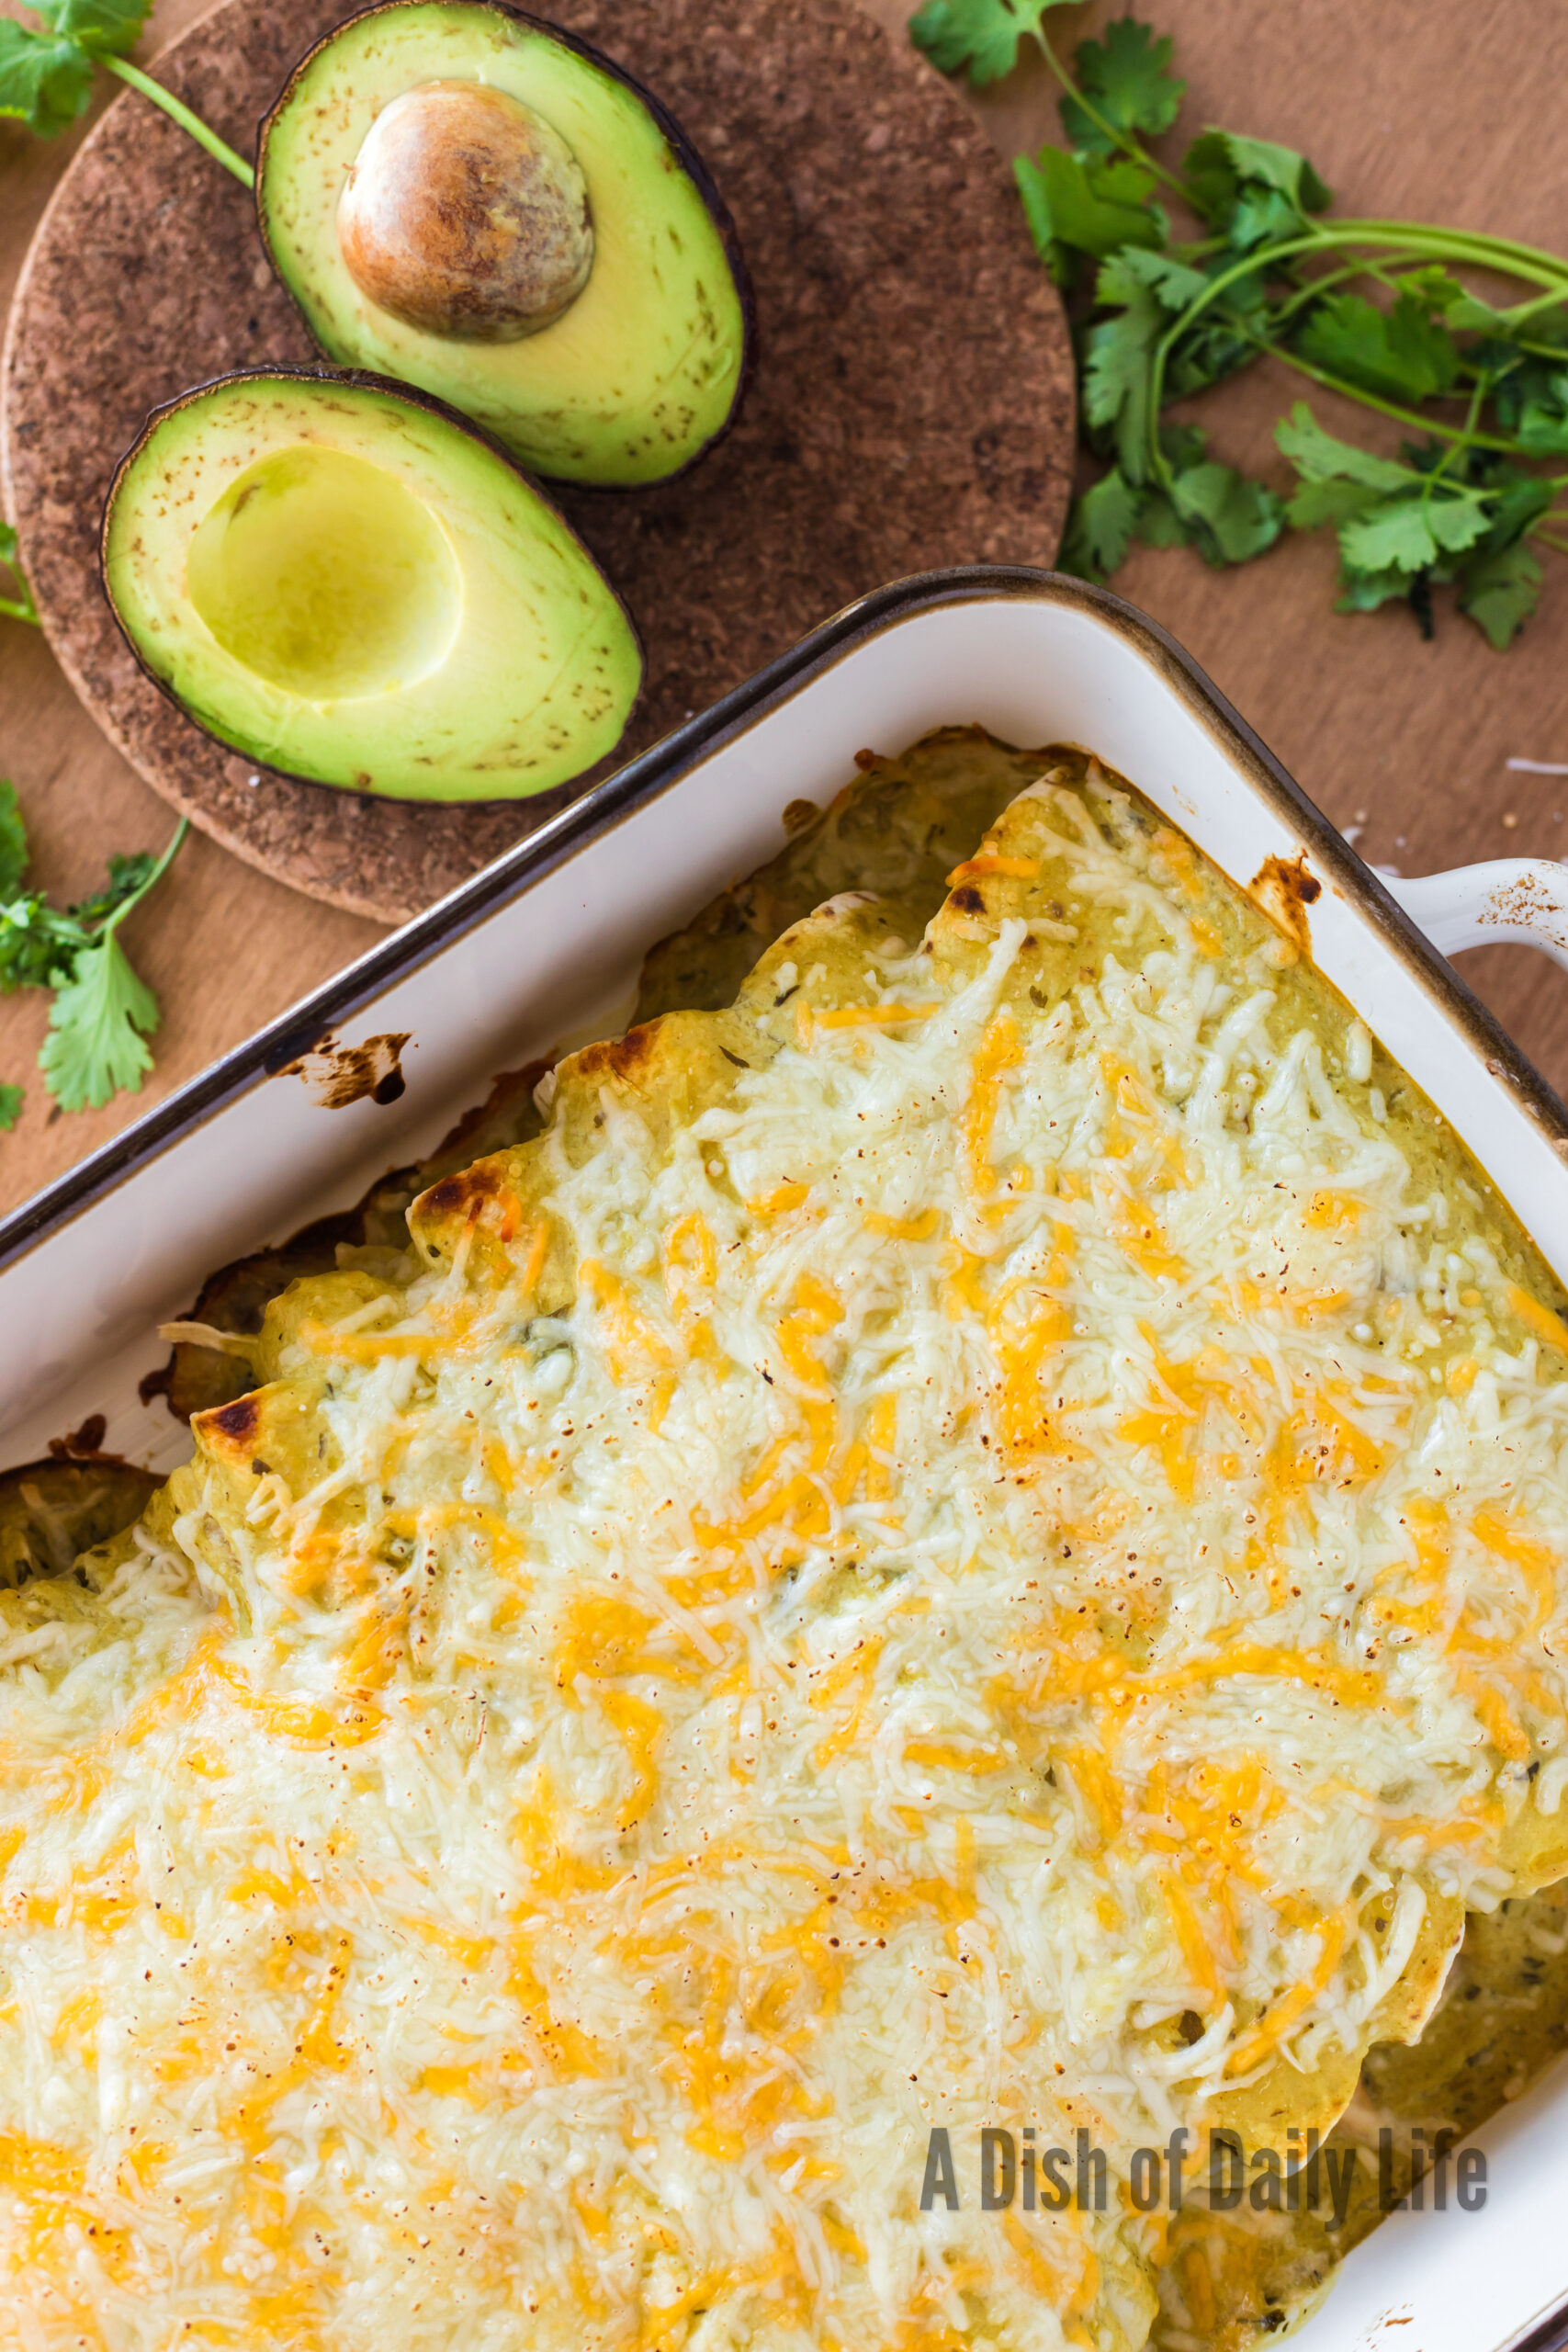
[332,381]
[687,161]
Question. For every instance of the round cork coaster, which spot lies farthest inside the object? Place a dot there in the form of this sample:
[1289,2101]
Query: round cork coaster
[912,405]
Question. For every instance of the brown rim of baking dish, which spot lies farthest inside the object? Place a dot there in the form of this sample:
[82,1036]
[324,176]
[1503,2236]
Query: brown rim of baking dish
[656,772]
[1548,2333]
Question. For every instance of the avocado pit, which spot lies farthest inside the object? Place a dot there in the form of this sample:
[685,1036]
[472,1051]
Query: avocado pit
[465,214]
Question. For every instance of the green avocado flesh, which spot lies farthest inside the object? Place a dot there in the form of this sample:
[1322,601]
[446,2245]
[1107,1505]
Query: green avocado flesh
[642,370]
[349,586]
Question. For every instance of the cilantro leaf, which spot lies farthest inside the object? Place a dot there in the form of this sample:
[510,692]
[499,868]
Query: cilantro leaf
[1249,188]
[1433,287]
[1401,352]
[1318,455]
[1136,269]
[1182,445]
[1531,403]
[1226,334]
[1230,518]
[1396,523]
[1101,527]
[1331,501]
[1471,315]
[1500,589]
[1208,505]
[1517,502]
[37,943]
[96,1027]
[44,82]
[1116,384]
[1348,337]
[1406,534]
[981,36]
[102,27]
[1120,179]
[1542,430]
[11,1101]
[129,876]
[1127,80]
[13,840]
[1458,520]
[1363,592]
[1075,207]
[1159,525]
[1277,167]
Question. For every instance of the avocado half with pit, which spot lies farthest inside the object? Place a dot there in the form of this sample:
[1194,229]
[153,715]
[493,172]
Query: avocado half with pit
[347,583]
[472,200]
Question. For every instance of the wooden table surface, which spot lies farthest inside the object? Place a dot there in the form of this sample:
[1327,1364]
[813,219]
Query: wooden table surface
[1441,109]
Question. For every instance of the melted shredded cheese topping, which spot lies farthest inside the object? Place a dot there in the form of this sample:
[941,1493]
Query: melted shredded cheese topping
[1027,1555]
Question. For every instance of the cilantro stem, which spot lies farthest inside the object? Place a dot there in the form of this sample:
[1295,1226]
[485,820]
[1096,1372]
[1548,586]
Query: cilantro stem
[180,113]
[1309,288]
[1472,246]
[1122,138]
[1315,240]
[1527,311]
[1413,417]
[1468,439]
[154,878]
[11,610]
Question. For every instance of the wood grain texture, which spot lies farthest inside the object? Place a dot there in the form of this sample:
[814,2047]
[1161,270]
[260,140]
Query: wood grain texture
[1447,109]
[876,223]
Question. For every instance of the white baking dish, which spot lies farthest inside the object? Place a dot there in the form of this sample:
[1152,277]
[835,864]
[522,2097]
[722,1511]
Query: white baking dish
[543,946]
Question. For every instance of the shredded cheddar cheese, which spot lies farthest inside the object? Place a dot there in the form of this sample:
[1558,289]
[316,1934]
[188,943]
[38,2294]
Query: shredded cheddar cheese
[1019,1542]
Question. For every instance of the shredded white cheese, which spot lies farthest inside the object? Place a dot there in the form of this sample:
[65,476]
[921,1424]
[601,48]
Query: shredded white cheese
[1024,1541]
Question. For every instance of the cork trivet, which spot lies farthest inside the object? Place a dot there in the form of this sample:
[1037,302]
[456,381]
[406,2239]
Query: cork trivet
[912,405]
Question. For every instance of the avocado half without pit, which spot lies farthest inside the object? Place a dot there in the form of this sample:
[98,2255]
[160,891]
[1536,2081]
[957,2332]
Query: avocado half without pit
[474,201]
[344,581]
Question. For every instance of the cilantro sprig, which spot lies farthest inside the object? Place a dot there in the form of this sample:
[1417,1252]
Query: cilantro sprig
[1381,311]
[103,1013]
[46,72]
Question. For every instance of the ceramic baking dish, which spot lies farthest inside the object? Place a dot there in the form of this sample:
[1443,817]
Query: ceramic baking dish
[543,949]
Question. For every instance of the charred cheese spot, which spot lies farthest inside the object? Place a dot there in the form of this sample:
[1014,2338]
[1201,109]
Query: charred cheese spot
[231,1427]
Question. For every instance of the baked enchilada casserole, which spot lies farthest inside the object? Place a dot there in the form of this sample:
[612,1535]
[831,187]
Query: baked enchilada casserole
[968,1541]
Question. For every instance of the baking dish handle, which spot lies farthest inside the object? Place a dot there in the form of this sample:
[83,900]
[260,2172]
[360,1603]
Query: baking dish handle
[1476,905]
